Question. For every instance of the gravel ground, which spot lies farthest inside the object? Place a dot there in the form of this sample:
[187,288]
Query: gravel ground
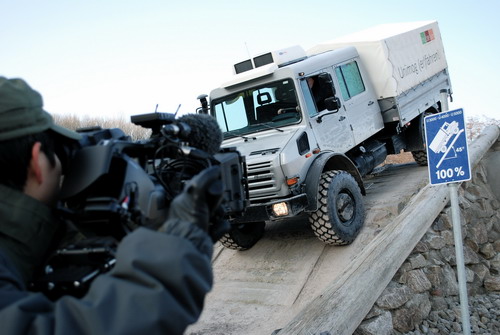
[484,317]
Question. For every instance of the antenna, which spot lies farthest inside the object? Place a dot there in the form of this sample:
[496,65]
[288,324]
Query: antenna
[179,107]
[156,108]
[248,51]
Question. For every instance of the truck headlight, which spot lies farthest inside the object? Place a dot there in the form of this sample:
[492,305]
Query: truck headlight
[280,209]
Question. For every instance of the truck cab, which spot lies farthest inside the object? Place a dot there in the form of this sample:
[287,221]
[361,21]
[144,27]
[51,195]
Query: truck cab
[283,117]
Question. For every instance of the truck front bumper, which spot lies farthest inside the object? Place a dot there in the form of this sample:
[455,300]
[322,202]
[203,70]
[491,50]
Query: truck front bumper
[264,211]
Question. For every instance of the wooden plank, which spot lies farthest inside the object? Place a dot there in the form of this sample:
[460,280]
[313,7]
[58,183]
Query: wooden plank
[351,297]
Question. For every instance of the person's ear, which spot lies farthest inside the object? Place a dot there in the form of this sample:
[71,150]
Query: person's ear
[35,164]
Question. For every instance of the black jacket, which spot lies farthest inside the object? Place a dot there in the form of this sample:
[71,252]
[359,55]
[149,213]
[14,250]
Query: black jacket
[157,286]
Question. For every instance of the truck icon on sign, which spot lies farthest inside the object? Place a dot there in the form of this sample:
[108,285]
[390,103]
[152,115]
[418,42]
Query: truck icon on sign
[443,136]
[446,133]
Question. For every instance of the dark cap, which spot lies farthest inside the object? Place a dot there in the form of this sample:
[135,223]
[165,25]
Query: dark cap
[21,112]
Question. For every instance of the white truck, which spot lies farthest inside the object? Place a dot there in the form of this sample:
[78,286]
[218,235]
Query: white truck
[312,124]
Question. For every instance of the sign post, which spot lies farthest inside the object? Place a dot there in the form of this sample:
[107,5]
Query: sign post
[448,162]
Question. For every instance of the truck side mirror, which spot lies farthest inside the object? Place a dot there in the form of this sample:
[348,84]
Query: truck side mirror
[204,104]
[332,104]
[325,82]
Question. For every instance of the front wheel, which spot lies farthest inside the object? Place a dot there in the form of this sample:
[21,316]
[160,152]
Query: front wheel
[243,236]
[341,213]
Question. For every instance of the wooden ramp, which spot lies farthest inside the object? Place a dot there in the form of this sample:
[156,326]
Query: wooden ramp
[291,281]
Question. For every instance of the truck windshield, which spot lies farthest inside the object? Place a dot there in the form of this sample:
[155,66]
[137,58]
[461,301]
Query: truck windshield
[262,107]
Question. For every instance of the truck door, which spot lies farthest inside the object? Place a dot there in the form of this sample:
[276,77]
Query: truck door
[359,101]
[332,130]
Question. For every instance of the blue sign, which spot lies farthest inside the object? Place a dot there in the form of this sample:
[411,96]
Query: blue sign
[447,152]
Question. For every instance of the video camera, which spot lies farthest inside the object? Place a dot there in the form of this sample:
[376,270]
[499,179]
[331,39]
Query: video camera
[114,185]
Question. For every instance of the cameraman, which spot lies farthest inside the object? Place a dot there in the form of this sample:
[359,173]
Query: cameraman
[160,279]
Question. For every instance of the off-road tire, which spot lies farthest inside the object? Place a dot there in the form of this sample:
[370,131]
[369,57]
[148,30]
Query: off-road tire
[243,236]
[420,156]
[341,211]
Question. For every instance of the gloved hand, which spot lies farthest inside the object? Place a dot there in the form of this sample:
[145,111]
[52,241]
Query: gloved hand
[199,202]
[218,225]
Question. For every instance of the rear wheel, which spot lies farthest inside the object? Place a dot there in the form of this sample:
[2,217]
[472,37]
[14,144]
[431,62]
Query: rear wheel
[243,236]
[420,156]
[341,213]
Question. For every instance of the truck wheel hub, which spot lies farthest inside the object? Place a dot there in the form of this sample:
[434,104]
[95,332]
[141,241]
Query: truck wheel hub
[345,207]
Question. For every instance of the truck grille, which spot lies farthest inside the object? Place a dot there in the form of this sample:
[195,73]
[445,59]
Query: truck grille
[261,181]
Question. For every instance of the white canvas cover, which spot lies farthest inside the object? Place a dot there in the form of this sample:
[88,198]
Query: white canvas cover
[397,56]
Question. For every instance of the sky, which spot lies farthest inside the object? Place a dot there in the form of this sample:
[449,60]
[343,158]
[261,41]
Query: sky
[111,58]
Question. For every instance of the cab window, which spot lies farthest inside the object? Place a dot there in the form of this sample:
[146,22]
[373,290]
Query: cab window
[350,81]
[308,97]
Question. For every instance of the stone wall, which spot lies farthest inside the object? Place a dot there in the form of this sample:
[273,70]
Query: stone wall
[423,296]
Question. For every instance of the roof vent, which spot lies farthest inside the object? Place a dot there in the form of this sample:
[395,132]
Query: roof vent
[280,57]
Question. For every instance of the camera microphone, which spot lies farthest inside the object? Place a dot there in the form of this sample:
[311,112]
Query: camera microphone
[205,132]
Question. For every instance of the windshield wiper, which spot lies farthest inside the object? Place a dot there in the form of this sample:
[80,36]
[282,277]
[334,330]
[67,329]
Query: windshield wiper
[269,126]
[243,137]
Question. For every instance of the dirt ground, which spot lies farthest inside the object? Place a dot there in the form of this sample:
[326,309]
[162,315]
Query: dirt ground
[404,157]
